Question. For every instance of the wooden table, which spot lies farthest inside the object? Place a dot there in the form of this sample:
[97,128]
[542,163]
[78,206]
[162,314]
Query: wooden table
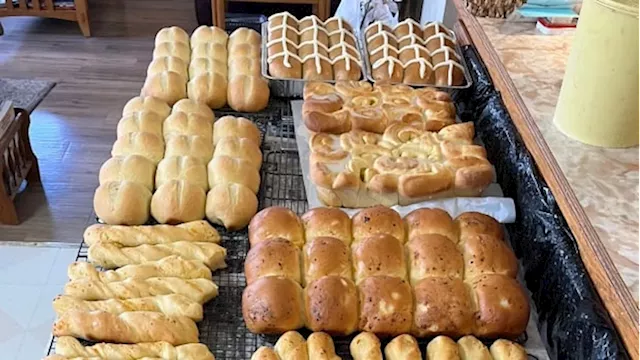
[321,8]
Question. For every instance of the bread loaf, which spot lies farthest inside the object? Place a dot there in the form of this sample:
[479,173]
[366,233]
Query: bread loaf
[173,305]
[331,305]
[148,103]
[178,201]
[208,34]
[209,88]
[170,266]
[195,231]
[203,65]
[378,255]
[276,222]
[129,327]
[326,256]
[239,127]
[122,203]
[365,346]
[240,148]
[190,106]
[172,34]
[403,347]
[171,48]
[386,306]
[168,63]
[248,93]
[142,121]
[182,168]
[199,147]
[134,168]
[70,347]
[113,255]
[180,123]
[291,346]
[224,170]
[198,290]
[167,86]
[139,143]
[276,257]
[273,305]
[231,205]
[247,90]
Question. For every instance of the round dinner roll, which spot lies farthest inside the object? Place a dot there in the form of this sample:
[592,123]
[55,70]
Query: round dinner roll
[209,34]
[180,123]
[231,205]
[209,50]
[176,49]
[331,305]
[148,103]
[186,168]
[273,305]
[245,65]
[122,203]
[276,222]
[199,66]
[209,88]
[276,257]
[327,222]
[199,147]
[134,168]
[226,170]
[178,201]
[141,121]
[167,86]
[231,126]
[248,93]
[168,63]
[244,35]
[139,143]
[189,106]
[240,148]
[172,34]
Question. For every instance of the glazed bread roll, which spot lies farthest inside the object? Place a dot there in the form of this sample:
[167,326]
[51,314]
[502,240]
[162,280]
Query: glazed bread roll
[291,346]
[142,121]
[168,63]
[331,305]
[134,168]
[198,290]
[386,305]
[209,88]
[231,126]
[473,349]
[247,93]
[378,220]
[276,257]
[170,266]
[264,353]
[431,221]
[70,347]
[178,201]
[442,348]
[197,146]
[503,349]
[170,48]
[403,347]
[173,305]
[129,327]
[122,203]
[223,170]
[172,34]
[180,123]
[208,34]
[327,222]
[273,305]
[321,347]
[231,205]
[433,255]
[195,231]
[190,106]
[378,255]
[276,222]
[167,86]
[139,143]
[147,103]
[113,255]
[365,346]
[182,168]
[442,306]
[240,148]
[326,256]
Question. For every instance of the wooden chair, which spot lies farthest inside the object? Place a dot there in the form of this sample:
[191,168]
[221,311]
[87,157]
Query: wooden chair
[321,8]
[17,160]
[49,9]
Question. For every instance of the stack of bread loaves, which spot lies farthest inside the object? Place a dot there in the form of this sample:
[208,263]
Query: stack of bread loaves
[233,173]
[248,91]
[126,180]
[167,74]
[427,275]
[151,299]
[208,67]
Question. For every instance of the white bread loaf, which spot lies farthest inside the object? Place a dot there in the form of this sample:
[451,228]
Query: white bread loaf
[199,66]
[178,201]
[141,121]
[168,63]
[148,103]
[122,203]
[240,148]
[244,36]
[227,170]
[199,147]
[210,51]
[172,34]
[209,88]
[231,126]
[248,93]
[190,106]
[139,143]
[245,65]
[180,123]
[209,34]
[167,86]
[187,168]
[231,205]
[135,168]
[169,48]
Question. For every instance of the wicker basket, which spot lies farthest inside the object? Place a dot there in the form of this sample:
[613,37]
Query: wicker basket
[493,8]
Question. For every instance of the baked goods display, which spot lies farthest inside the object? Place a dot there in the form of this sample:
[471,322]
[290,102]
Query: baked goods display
[247,91]
[291,345]
[426,274]
[413,54]
[312,49]
[347,106]
[208,66]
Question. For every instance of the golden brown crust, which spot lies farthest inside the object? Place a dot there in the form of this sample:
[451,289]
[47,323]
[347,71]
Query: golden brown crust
[275,222]
[442,348]
[433,255]
[122,203]
[431,221]
[474,223]
[488,255]
[473,349]
[503,349]
[386,306]
[231,205]
[378,220]
[326,256]
[378,255]
[178,201]
[403,347]
[321,222]
[275,257]
[331,304]
[272,305]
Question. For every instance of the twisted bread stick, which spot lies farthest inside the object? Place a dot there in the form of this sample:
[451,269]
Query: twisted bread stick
[113,255]
[70,347]
[59,357]
[129,327]
[198,290]
[194,231]
[171,266]
[170,305]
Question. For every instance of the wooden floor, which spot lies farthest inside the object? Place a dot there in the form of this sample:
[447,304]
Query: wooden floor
[74,127]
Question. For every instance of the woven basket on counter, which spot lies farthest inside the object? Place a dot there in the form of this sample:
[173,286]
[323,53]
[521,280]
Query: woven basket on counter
[493,8]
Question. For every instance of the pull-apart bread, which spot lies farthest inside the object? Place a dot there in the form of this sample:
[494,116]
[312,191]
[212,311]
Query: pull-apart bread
[208,67]
[247,91]
[312,49]
[413,54]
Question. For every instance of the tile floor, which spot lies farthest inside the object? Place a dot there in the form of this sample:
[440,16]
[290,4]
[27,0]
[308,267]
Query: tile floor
[30,277]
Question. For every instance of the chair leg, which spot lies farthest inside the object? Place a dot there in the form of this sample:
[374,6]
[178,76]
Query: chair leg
[8,214]
[218,16]
[82,15]
[33,176]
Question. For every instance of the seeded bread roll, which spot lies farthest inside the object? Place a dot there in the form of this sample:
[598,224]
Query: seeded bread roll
[231,205]
[148,103]
[431,221]
[275,222]
[167,86]
[331,305]
[141,121]
[386,306]
[273,305]
[139,143]
[275,257]
[190,106]
[134,168]
[185,168]
[224,170]
[378,255]
[326,256]
[240,148]
[180,123]
[122,203]
[378,220]
[178,201]
[327,222]
[231,126]
[433,255]
[196,146]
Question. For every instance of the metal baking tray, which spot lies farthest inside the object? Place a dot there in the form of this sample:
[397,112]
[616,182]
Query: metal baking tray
[293,88]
